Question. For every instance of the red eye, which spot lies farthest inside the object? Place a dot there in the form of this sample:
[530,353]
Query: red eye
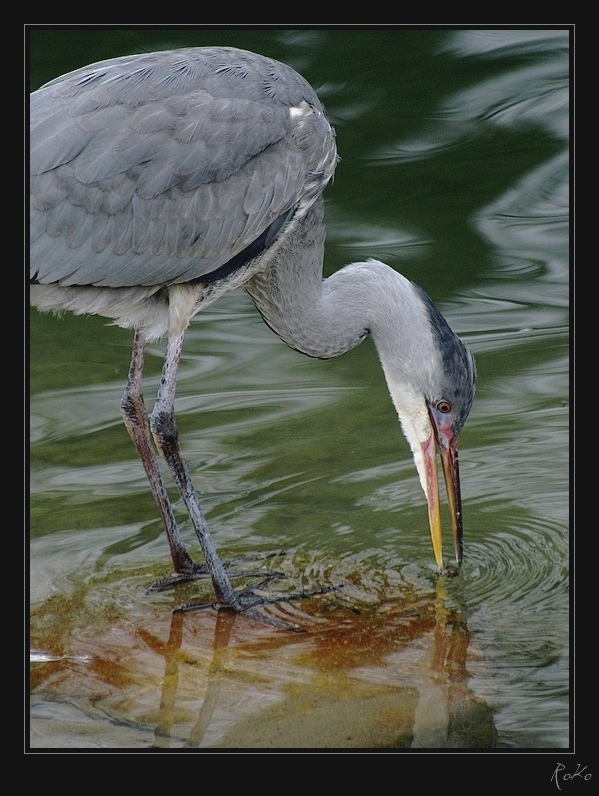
[444,407]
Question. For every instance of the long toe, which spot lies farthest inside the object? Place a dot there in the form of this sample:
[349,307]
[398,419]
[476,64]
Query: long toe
[199,572]
[248,602]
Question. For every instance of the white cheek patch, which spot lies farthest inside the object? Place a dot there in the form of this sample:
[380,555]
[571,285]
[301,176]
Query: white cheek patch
[416,425]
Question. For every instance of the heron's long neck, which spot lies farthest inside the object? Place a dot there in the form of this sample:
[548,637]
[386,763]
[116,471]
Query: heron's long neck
[324,318]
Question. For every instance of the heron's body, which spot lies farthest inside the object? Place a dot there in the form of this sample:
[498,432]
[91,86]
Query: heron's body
[160,182]
[150,172]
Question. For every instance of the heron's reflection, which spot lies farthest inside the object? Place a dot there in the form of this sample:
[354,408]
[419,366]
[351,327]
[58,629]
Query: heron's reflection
[421,643]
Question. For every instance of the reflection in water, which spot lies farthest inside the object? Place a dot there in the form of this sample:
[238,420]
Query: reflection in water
[389,674]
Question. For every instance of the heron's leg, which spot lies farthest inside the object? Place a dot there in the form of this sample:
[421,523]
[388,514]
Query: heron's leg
[164,429]
[134,413]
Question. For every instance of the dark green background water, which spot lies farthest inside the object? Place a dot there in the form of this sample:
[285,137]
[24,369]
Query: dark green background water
[454,170]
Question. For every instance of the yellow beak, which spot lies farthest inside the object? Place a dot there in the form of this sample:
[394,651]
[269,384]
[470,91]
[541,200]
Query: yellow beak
[445,437]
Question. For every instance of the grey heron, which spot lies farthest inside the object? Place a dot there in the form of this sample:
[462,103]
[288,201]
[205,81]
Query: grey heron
[161,181]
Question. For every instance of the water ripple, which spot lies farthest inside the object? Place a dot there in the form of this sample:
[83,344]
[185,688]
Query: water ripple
[525,570]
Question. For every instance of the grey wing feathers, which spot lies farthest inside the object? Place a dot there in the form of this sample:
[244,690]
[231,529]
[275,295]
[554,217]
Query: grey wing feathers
[160,168]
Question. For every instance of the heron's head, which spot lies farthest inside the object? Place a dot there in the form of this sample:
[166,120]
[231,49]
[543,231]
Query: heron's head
[431,378]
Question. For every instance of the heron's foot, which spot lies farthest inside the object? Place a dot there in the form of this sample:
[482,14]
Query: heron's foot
[248,602]
[200,572]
